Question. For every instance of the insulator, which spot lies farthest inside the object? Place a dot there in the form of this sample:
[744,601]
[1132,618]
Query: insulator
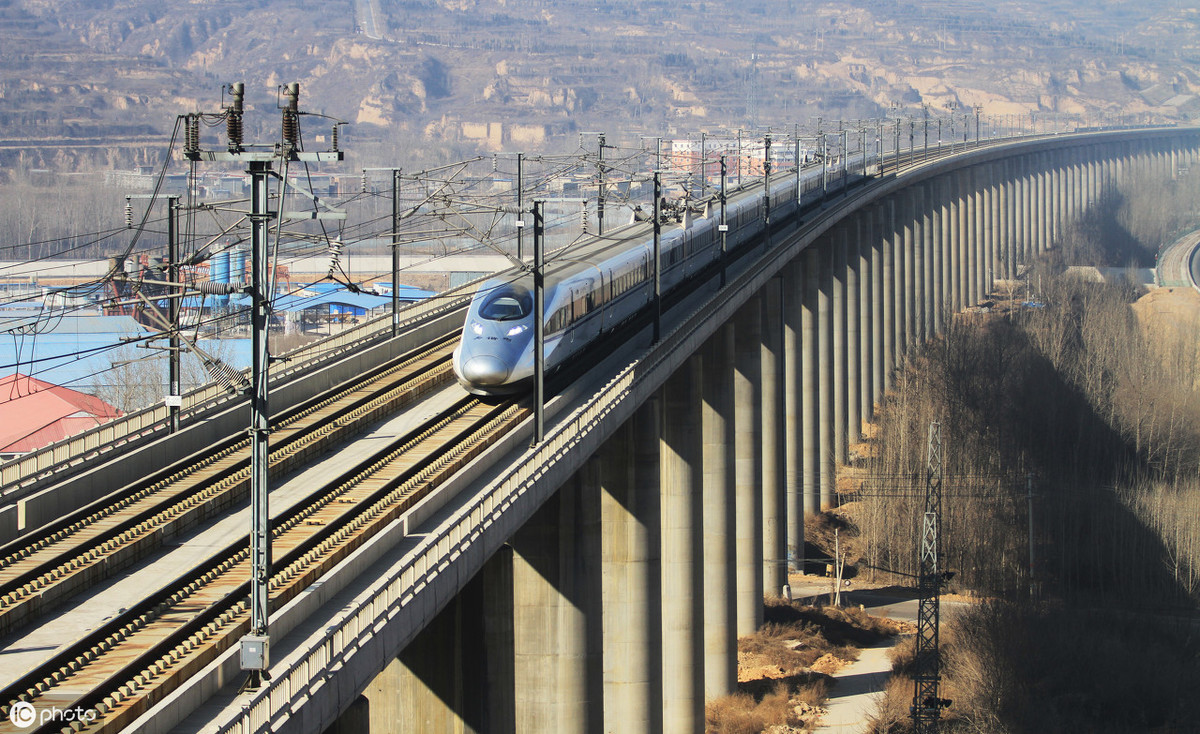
[335,255]
[191,142]
[291,128]
[128,214]
[583,215]
[233,126]
[495,167]
[364,182]
[213,288]
[226,375]
[334,138]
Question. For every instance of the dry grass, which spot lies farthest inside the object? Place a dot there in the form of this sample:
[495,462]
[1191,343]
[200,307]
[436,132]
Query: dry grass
[779,692]
[742,714]
[892,717]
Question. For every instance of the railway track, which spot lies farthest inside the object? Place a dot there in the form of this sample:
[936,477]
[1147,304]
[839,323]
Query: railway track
[118,671]
[39,573]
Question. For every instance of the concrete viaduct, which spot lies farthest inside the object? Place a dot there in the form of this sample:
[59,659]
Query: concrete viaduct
[598,581]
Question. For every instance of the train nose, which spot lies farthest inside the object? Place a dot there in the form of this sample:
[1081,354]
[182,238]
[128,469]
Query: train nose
[484,371]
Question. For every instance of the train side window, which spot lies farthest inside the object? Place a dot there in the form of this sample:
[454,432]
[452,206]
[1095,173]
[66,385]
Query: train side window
[558,320]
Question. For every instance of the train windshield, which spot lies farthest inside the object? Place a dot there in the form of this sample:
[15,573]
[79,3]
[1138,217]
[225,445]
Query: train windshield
[507,303]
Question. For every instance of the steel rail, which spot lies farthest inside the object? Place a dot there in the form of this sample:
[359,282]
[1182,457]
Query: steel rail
[92,545]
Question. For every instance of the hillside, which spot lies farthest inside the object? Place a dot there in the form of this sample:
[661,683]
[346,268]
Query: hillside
[470,74]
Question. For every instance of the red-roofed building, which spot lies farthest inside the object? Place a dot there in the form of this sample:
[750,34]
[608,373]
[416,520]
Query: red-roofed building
[34,413]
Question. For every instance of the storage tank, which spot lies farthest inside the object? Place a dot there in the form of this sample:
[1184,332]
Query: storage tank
[220,274]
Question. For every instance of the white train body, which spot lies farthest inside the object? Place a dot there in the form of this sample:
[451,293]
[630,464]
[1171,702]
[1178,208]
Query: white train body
[595,286]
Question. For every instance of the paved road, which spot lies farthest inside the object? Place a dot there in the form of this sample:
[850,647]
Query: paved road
[859,687]
[1173,270]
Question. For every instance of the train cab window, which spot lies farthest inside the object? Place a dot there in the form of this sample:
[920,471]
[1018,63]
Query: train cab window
[507,303]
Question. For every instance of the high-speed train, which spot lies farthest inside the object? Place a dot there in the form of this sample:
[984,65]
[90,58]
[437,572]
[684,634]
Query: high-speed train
[595,286]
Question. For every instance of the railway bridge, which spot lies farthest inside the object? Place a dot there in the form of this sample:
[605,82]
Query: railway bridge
[595,581]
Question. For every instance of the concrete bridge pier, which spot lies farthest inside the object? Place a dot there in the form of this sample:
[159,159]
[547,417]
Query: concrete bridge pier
[1045,214]
[853,340]
[1093,168]
[878,296]
[991,203]
[973,240]
[1079,184]
[809,400]
[630,572]
[839,366]
[556,631]
[719,550]
[941,256]
[1009,196]
[1064,193]
[930,231]
[1024,217]
[866,298]
[962,294]
[901,244]
[823,252]
[905,275]
[1051,197]
[865,326]
[682,522]
[888,317]
[439,682]
[774,470]
[750,491]
[796,366]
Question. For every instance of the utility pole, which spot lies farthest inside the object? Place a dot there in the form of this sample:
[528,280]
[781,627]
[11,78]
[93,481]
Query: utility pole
[602,192]
[395,252]
[862,146]
[255,656]
[912,140]
[925,110]
[723,227]
[174,397]
[520,195]
[767,189]
[799,191]
[824,164]
[896,148]
[927,705]
[879,144]
[844,142]
[657,256]
[539,336]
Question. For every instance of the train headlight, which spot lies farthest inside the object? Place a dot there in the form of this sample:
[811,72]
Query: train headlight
[518,329]
[477,329]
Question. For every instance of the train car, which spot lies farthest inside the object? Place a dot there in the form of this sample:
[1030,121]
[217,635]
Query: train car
[596,286]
